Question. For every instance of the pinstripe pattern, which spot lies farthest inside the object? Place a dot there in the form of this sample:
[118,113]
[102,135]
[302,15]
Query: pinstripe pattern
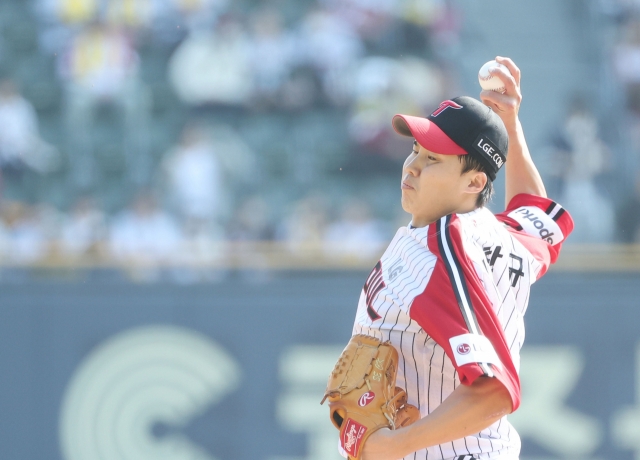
[458,283]
[424,370]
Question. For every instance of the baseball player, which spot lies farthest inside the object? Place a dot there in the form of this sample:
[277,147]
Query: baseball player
[451,290]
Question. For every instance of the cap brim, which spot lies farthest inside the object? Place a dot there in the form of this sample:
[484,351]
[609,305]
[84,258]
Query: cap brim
[427,133]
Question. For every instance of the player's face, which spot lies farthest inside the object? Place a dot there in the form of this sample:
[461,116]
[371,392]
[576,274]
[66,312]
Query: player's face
[433,186]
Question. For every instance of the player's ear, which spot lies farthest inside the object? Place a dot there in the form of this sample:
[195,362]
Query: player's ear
[476,181]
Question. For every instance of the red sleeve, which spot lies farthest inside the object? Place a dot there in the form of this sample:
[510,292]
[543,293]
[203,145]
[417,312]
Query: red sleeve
[456,312]
[540,224]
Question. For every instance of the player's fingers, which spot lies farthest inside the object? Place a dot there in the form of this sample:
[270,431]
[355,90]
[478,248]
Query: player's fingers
[487,99]
[513,68]
[503,100]
[499,103]
[510,85]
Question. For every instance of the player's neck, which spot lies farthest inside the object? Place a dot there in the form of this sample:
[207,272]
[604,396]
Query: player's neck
[419,221]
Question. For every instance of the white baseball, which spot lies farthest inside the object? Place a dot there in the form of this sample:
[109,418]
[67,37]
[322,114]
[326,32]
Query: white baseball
[488,81]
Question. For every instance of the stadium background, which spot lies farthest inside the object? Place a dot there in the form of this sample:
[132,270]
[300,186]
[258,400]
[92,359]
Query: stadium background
[192,189]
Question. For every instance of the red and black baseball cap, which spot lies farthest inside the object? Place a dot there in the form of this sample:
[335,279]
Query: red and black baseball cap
[460,126]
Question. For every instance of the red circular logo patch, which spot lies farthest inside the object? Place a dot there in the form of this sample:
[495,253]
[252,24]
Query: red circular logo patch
[366,398]
[463,348]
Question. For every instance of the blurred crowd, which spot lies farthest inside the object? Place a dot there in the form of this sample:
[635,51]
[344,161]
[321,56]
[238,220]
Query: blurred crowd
[144,237]
[185,214]
[366,59]
[594,168]
[235,70]
[270,101]
[626,64]
[581,165]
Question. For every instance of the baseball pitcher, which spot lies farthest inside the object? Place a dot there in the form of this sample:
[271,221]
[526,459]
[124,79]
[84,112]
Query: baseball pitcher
[431,371]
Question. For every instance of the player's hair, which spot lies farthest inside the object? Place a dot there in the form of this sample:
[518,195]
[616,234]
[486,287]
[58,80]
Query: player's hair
[470,163]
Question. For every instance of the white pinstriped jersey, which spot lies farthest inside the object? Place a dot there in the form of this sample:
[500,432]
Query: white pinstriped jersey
[451,298]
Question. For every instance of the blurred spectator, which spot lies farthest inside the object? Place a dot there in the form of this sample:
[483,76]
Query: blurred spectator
[200,14]
[101,60]
[101,67]
[67,12]
[239,163]
[303,229]
[331,45]
[626,60]
[628,217]
[374,104]
[83,229]
[209,167]
[144,235]
[73,11]
[272,55]
[445,23]
[20,143]
[132,14]
[49,220]
[388,26]
[560,162]
[194,176]
[175,19]
[381,25]
[424,13]
[60,19]
[587,157]
[22,236]
[212,68]
[70,13]
[251,221]
[193,181]
[371,20]
[355,235]
[203,246]
[302,90]
[251,226]
[384,87]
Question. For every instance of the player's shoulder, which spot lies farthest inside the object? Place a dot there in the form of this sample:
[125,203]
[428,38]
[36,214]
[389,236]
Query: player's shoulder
[464,231]
[479,223]
[538,217]
[474,231]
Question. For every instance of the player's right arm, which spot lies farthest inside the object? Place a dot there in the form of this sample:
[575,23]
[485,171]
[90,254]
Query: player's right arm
[468,410]
[526,198]
[521,174]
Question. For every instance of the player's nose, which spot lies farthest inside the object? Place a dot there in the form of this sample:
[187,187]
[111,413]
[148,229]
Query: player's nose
[411,166]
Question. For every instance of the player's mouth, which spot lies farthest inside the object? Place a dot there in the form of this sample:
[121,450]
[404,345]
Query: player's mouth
[406,186]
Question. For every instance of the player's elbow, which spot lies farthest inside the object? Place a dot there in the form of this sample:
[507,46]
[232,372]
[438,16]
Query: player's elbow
[496,397]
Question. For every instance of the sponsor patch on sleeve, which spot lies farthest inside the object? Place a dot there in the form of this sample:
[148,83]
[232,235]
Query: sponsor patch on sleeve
[473,348]
[536,222]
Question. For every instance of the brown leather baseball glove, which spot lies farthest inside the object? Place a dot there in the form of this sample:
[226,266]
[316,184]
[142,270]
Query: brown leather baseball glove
[362,393]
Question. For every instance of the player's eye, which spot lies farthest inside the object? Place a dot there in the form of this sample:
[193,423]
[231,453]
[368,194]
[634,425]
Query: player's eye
[432,158]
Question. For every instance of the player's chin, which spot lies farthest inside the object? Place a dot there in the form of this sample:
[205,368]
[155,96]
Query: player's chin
[406,203]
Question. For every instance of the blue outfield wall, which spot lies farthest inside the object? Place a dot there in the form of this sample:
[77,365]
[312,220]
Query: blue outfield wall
[235,370]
